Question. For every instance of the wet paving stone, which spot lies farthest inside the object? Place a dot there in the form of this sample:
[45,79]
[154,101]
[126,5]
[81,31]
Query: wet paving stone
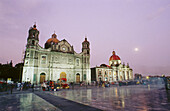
[124,98]
[65,104]
[25,102]
[129,98]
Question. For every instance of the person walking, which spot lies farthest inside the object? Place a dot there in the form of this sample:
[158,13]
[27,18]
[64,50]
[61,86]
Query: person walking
[33,87]
[73,85]
[12,86]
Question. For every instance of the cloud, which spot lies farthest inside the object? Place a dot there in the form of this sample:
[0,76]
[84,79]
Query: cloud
[158,13]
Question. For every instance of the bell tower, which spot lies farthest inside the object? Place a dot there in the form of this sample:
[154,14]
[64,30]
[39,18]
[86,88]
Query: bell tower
[31,55]
[33,39]
[86,47]
[86,61]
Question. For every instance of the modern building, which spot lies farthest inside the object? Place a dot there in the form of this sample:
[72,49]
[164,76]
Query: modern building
[57,60]
[115,71]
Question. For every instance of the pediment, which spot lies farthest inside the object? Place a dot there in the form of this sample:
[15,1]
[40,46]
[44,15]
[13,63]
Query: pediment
[64,46]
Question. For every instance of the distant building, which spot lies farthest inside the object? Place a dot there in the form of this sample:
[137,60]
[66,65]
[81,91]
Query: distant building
[115,71]
[57,60]
[138,76]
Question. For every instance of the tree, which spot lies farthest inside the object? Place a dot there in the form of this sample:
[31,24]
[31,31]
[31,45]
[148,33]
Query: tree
[8,71]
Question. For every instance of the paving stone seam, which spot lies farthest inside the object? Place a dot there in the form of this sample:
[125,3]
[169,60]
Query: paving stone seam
[65,104]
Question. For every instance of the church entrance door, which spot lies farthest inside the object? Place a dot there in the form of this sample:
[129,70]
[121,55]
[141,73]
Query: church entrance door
[42,77]
[120,78]
[77,78]
[63,76]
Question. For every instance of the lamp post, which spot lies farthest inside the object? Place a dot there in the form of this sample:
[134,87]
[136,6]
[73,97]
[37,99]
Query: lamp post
[60,82]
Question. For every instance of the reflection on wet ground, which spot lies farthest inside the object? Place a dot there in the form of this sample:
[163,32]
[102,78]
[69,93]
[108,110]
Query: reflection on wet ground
[25,102]
[137,97]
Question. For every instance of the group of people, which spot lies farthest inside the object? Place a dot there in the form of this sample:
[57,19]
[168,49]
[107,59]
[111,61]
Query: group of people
[101,83]
[50,85]
[10,86]
[23,86]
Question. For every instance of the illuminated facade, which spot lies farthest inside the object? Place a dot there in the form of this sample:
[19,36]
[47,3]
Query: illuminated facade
[115,71]
[57,60]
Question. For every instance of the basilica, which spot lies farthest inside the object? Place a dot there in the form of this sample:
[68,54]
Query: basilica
[115,71]
[57,60]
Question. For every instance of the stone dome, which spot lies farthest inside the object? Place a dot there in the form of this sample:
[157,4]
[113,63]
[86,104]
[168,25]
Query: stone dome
[114,57]
[52,40]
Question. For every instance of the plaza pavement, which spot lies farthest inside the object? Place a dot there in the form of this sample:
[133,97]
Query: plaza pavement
[90,98]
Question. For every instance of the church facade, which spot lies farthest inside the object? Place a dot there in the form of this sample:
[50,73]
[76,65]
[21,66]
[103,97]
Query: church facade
[57,60]
[115,71]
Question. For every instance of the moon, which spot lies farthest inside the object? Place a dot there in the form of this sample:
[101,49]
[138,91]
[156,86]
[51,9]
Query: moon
[136,49]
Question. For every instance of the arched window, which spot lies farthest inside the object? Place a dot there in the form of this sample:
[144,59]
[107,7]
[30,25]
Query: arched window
[33,42]
[84,76]
[77,62]
[105,72]
[87,51]
[117,75]
[127,75]
[124,75]
[84,45]
[100,73]
[84,60]
[59,47]
[87,45]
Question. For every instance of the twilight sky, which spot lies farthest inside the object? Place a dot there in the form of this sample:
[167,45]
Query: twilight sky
[122,25]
